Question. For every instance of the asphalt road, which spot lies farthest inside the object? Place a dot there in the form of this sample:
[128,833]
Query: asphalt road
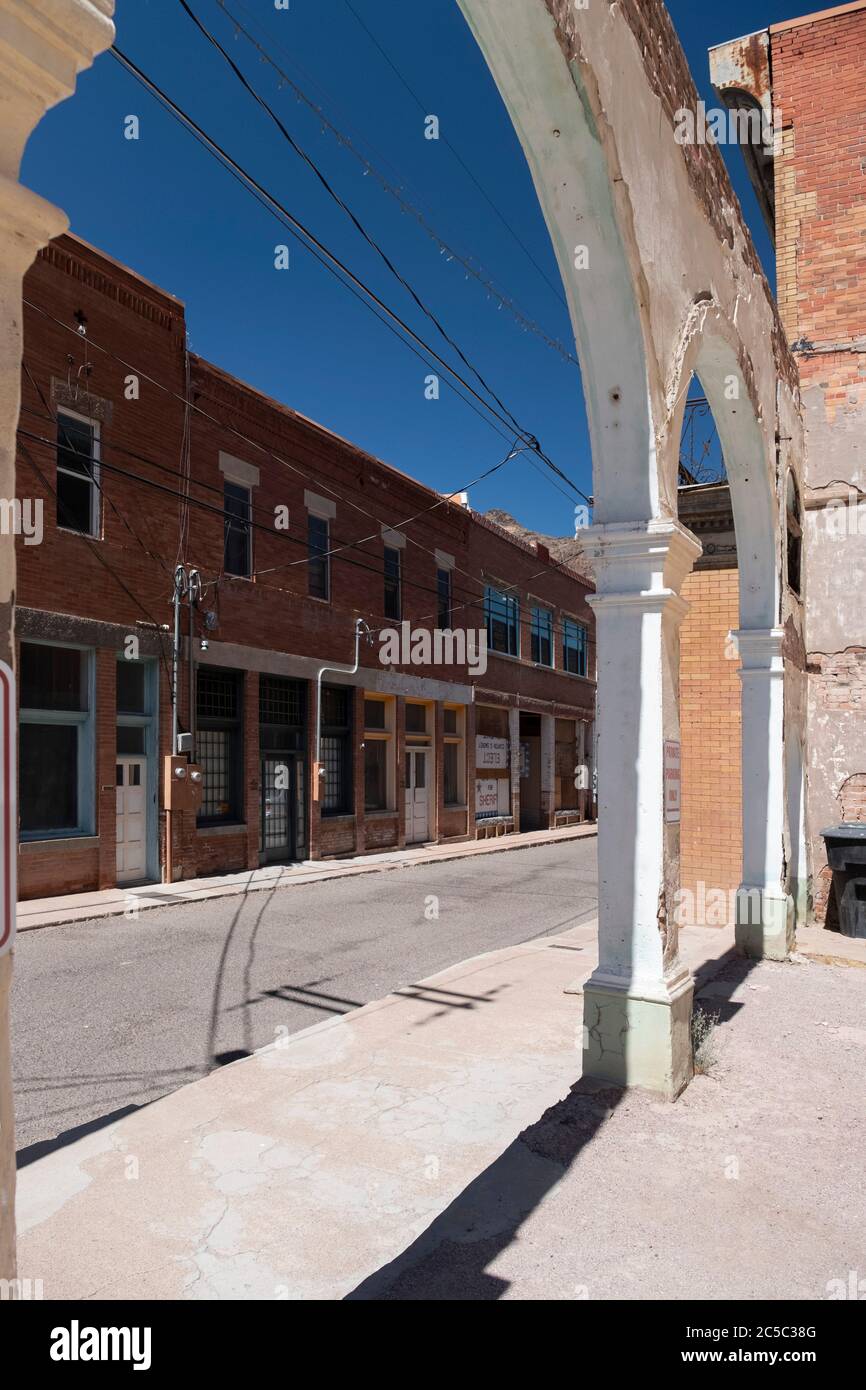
[108,1015]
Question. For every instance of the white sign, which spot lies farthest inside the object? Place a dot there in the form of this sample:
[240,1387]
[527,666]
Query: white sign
[673,781]
[8,810]
[491,752]
[486,798]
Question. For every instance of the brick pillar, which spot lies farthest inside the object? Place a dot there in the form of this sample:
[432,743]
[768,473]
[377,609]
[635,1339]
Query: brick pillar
[252,767]
[471,823]
[514,763]
[400,756]
[358,768]
[106,759]
[437,769]
[548,770]
[315,813]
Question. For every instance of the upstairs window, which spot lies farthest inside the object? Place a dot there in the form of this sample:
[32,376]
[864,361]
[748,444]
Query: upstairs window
[318,568]
[542,637]
[77,473]
[393,584]
[443,593]
[502,613]
[574,647]
[237,510]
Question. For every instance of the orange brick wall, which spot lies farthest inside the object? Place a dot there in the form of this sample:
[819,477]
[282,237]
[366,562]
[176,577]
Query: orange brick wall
[711,841]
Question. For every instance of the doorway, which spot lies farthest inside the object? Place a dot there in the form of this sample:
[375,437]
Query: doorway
[131,827]
[417,796]
[279,783]
[530,772]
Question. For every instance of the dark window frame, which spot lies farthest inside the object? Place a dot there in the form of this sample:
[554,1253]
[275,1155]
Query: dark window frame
[319,561]
[502,612]
[392,571]
[233,726]
[339,735]
[541,634]
[87,472]
[575,655]
[444,599]
[237,529]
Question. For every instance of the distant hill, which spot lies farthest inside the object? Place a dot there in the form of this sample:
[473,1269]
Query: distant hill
[565,549]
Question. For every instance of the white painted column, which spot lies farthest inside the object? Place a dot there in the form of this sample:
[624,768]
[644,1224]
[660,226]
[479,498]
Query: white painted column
[637,1004]
[44,44]
[765,911]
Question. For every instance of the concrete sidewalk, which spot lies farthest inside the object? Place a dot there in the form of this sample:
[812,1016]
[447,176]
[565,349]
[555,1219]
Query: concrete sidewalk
[301,1171]
[114,902]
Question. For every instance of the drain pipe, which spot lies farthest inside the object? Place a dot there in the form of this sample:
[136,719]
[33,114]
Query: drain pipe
[318,770]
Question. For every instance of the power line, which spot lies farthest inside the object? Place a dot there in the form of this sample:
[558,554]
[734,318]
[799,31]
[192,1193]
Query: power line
[341,203]
[470,264]
[332,262]
[455,152]
[246,439]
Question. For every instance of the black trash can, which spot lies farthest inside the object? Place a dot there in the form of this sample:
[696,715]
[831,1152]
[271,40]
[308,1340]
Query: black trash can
[846,855]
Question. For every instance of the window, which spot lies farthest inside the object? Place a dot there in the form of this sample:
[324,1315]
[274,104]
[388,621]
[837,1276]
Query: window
[131,687]
[55,762]
[237,510]
[375,774]
[336,751]
[77,474]
[393,585]
[574,647]
[454,758]
[374,714]
[319,567]
[502,613]
[378,747]
[416,719]
[443,592]
[219,743]
[131,739]
[542,637]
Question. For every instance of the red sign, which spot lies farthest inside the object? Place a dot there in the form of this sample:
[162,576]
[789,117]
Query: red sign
[8,809]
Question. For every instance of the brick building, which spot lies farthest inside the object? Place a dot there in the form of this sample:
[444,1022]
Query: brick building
[809,72]
[711,853]
[289,535]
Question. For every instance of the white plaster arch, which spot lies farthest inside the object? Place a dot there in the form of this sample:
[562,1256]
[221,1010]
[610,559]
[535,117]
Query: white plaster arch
[673,286]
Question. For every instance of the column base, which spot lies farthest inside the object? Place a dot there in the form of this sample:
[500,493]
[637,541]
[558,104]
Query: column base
[765,923]
[639,1035]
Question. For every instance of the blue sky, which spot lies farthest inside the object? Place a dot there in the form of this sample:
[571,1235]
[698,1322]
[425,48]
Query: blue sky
[163,206]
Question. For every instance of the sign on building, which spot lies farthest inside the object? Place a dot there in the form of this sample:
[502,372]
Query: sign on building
[492,797]
[491,752]
[8,809]
[673,776]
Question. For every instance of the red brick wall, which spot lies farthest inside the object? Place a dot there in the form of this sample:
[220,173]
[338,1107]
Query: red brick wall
[124,576]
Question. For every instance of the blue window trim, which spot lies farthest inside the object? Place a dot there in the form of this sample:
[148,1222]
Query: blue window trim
[86,723]
[542,631]
[575,647]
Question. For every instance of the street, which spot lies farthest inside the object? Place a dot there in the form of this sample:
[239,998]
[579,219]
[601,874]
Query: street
[110,1015]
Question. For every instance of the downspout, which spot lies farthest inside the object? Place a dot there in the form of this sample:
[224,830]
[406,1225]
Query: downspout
[318,770]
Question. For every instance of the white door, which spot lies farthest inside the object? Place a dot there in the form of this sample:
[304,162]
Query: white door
[417,818]
[131,819]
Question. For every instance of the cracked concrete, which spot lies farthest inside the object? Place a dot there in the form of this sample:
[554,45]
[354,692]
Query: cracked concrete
[298,1172]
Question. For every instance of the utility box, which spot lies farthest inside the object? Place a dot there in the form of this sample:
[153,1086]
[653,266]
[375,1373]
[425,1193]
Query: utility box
[846,855]
[183,784]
